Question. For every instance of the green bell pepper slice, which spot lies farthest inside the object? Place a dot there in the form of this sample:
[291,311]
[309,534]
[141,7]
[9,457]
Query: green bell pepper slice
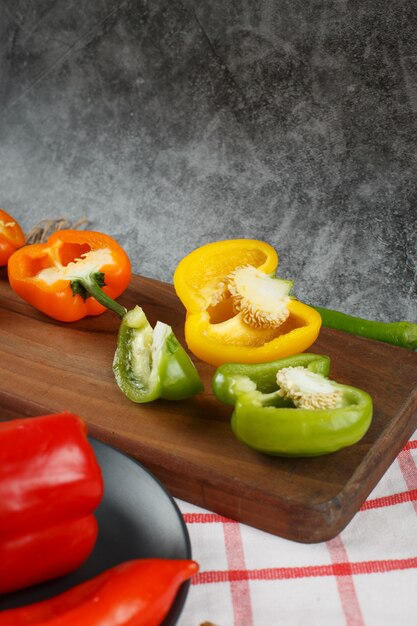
[304,415]
[150,363]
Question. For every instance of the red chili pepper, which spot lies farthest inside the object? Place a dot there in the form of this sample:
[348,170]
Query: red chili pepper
[50,484]
[135,593]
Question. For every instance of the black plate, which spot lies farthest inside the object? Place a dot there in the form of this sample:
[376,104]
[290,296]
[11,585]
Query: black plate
[137,519]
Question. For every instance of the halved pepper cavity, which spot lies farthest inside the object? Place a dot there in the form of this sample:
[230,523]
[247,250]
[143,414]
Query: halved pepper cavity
[50,485]
[237,309]
[75,274]
[290,407]
[135,593]
[150,363]
[11,237]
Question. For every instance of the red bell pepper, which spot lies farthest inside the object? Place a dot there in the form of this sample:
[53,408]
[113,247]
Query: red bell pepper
[136,593]
[50,484]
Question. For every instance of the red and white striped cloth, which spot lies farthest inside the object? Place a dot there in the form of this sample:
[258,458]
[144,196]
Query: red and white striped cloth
[366,576]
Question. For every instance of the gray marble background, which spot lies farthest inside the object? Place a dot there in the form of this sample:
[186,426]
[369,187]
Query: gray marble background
[171,124]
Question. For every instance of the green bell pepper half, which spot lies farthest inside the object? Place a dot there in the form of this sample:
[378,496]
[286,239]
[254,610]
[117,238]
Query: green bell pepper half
[268,422]
[150,363]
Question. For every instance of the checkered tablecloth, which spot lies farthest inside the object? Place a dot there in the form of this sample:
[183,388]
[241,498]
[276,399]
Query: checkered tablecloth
[366,576]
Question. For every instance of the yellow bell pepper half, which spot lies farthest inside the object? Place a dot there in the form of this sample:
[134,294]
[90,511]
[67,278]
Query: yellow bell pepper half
[217,329]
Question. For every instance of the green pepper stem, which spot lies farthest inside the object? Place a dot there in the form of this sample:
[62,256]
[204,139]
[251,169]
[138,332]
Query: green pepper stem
[90,284]
[403,334]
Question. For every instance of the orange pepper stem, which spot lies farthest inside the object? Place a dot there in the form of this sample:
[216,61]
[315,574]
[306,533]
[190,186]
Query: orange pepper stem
[90,285]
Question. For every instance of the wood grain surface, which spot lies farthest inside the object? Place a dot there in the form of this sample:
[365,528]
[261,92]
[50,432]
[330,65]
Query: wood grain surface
[47,366]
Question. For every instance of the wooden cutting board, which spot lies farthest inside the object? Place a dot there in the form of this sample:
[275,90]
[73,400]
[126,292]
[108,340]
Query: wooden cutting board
[47,366]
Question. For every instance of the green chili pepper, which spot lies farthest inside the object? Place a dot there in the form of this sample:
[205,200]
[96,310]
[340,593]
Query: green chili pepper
[290,408]
[150,363]
[402,334]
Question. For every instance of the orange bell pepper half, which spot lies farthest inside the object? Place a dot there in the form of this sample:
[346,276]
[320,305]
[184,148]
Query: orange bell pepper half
[11,237]
[75,274]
